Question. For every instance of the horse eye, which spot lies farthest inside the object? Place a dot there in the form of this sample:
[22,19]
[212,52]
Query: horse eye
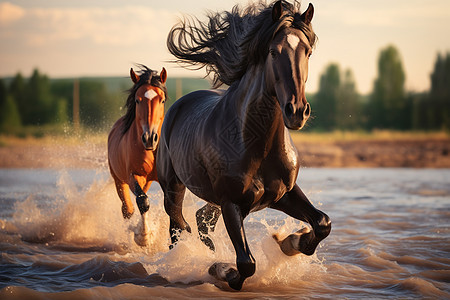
[137,101]
[272,52]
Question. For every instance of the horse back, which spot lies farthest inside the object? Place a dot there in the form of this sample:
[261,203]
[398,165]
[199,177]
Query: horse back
[187,115]
[183,140]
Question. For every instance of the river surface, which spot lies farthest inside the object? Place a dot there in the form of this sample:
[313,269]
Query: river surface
[62,236]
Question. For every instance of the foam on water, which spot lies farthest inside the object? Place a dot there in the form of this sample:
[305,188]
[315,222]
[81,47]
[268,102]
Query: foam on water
[78,216]
[88,218]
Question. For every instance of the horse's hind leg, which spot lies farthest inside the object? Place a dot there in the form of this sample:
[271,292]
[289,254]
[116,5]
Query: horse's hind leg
[297,205]
[173,204]
[207,218]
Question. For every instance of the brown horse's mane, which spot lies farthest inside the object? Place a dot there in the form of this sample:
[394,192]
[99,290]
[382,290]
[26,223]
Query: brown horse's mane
[146,76]
[230,42]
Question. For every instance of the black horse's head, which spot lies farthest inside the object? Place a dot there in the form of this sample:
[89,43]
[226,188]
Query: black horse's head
[287,64]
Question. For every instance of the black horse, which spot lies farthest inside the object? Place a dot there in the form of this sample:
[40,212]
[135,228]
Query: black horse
[232,148]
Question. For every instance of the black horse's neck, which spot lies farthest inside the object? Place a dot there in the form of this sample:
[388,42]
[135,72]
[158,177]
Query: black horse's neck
[258,111]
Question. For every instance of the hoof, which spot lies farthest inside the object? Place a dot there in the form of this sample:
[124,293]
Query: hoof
[142,234]
[220,271]
[142,240]
[294,243]
[225,272]
[126,213]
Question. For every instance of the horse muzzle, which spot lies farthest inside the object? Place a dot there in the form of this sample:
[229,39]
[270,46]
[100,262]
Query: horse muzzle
[295,118]
[150,140]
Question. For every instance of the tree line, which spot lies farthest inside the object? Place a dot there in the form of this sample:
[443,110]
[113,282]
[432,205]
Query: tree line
[337,105]
[39,101]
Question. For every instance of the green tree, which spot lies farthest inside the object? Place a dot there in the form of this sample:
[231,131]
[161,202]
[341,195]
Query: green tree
[3,92]
[94,106]
[40,106]
[387,103]
[60,110]
[348,106]
[62,90]
[438,106]
[326,99]
[17,92]
[419,110]
[9,115]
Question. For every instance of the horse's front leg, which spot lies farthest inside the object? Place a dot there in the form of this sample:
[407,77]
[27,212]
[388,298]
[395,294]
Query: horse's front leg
[297,205]
[233,218]
[139,184]
[123,190]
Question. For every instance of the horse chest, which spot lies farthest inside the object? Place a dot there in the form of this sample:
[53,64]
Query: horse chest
[261,194]
[277,173]
[142,164]
[275,183]
[260,179]
[264,183]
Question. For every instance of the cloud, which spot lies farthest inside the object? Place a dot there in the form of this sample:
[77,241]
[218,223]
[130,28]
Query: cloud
[10,13]
[86,40]
[131,25]
[392,14]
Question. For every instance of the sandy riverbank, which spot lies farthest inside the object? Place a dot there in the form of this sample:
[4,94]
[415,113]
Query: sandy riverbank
[90,152]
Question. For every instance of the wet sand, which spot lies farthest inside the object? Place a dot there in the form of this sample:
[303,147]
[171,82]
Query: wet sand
[90,152]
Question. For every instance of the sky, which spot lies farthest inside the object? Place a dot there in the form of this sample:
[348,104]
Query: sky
[107,37]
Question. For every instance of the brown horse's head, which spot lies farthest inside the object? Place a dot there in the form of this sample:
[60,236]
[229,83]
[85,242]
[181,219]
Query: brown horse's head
[287,65]
[149,109]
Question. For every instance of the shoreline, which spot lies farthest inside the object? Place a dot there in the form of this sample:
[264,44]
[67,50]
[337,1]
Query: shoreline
[315,151]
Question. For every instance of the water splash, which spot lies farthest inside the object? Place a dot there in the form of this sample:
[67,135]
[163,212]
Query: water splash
[88,218]
[78,216]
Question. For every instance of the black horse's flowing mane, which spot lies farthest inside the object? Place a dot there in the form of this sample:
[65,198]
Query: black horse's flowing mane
[230,42]
[146,76]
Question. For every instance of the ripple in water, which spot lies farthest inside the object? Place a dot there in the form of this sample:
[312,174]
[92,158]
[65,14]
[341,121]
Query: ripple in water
[62,235]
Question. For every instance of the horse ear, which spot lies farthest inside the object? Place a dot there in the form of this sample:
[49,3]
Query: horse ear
[134,76]
[277,11]
[308,14]
[163,75]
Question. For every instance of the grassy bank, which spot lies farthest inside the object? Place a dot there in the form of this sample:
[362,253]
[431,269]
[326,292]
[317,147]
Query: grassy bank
[377,135]
[87,149]
[53,134]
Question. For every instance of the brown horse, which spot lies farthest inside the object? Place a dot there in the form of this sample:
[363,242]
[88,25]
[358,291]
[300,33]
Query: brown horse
[133,140]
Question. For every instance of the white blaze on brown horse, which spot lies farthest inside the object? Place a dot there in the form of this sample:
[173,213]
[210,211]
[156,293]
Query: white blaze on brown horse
[132,143]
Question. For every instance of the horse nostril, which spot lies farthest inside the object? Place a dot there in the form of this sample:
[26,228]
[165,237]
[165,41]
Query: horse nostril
[155,137]
[307,110]
[145,138]
[289,110]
